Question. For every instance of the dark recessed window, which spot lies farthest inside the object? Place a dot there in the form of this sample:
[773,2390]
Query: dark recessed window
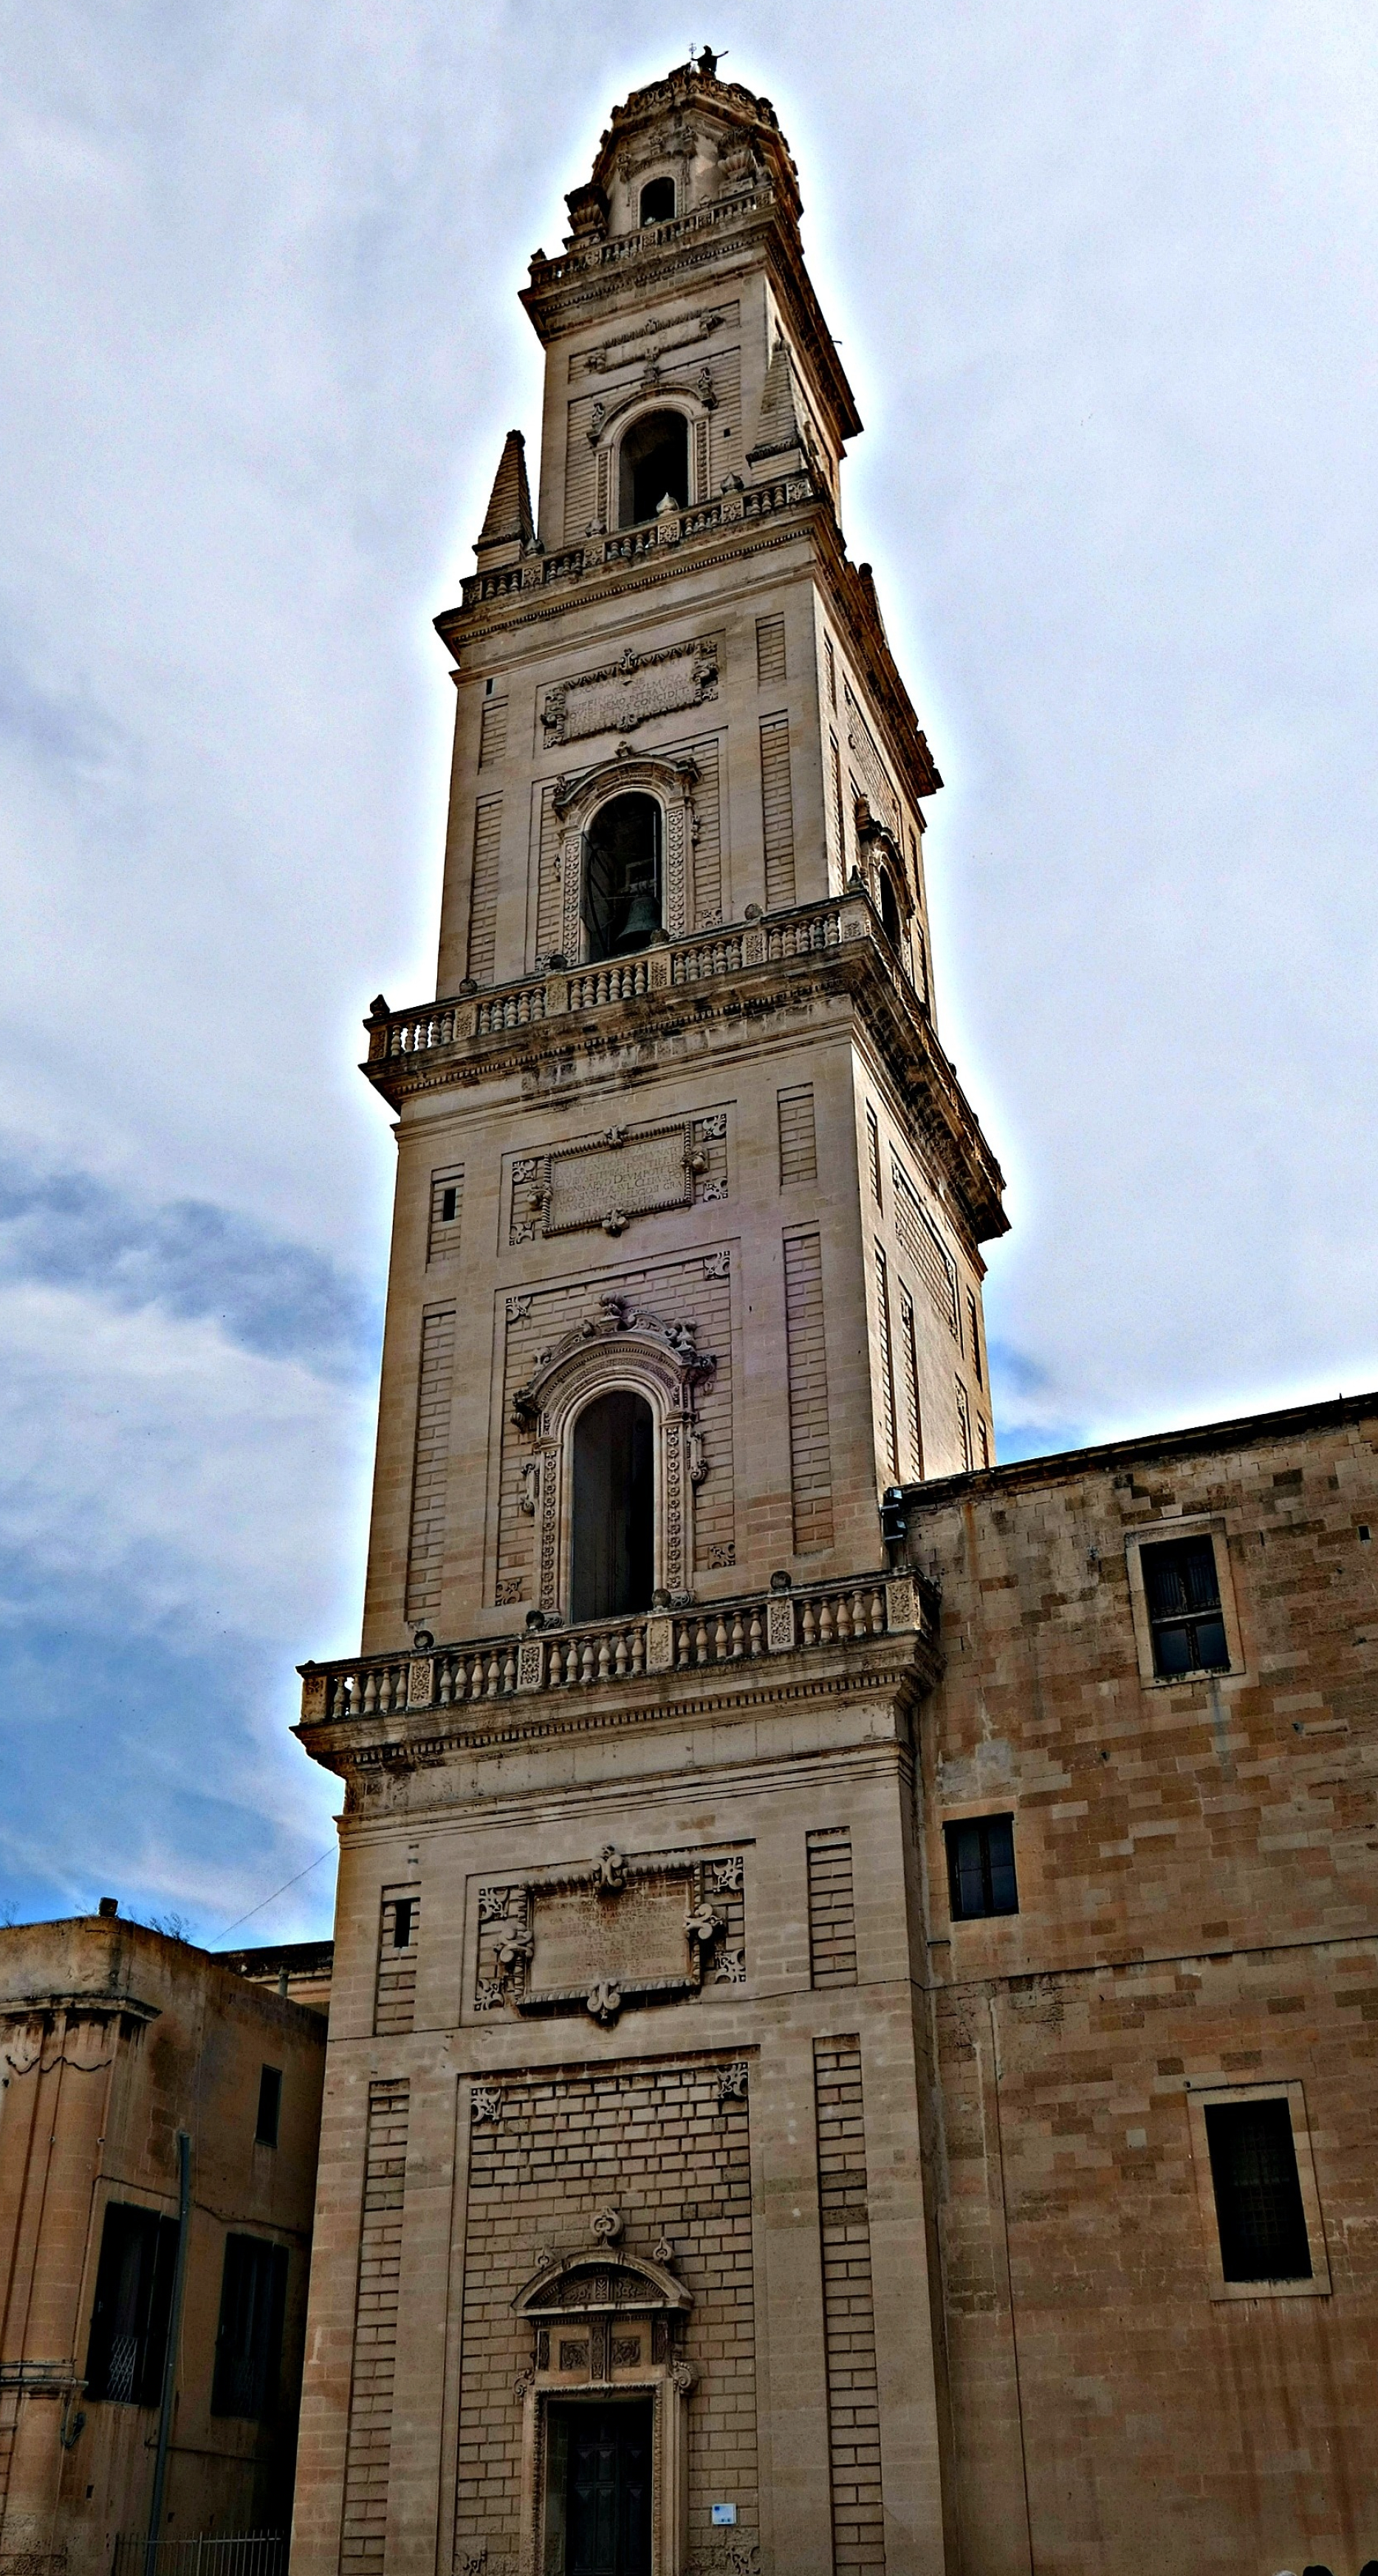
[658,201]
[129,2319]
[269,2106]
[401,1922]
[1183,1594]
[248,2342]
[980,1868]
[613,1556]
[889,909]
[1258,2204]
[622,876]
[653,466]
[449,1202]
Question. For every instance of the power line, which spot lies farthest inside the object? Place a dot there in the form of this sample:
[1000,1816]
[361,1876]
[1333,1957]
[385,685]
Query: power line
[278,1891]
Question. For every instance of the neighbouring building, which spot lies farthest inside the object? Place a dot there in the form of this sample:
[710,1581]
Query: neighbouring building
[854,1992]
[116,2044]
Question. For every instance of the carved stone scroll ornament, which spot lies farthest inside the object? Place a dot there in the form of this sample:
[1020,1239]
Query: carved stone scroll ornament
[577,797]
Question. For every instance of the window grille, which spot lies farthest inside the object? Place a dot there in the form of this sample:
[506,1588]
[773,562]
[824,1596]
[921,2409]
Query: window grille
[1258,2202]
[1182,1589]
[133,2301]
[980,1868]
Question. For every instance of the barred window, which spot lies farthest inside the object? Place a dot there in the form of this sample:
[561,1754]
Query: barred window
[1258,2202]
[133,2302]
[1182,1589]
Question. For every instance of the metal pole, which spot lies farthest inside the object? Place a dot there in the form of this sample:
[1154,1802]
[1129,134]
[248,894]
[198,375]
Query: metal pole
[174,2333]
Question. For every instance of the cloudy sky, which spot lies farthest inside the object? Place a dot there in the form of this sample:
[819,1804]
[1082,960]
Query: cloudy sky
[1105,284]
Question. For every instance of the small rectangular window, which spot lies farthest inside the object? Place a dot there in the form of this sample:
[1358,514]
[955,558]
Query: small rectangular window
[269,2106]
[248,2343]
[1182,1590]
[447,1210]
[980,1868]
[401,1922]
[1258,2199]
[133,2302]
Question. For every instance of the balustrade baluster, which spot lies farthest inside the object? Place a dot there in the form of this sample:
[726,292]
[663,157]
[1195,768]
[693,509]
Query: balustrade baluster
[738,1637]
[844,1619]
[825,1624]
[720,1641]
[877,1613]
[700,1644]
[494,1675]
[682,1643]
[476,1678]
[509,1670]
[586,1661]
[861,1625]
[757,1641]
[810,1624]
[604,1657]
[370,1693]
[638,1649]
[621,1658]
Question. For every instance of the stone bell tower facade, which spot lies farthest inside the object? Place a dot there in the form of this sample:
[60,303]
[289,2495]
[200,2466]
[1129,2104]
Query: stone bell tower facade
[624,2249]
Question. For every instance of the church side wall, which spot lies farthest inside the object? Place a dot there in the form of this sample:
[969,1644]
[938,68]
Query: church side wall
[1195,1871]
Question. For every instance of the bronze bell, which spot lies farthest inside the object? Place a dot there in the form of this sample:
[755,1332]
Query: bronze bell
[643,918]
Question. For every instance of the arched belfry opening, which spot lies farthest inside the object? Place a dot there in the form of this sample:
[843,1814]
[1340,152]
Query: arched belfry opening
[622,875]
[653,466]
[658,201]
[612,1556]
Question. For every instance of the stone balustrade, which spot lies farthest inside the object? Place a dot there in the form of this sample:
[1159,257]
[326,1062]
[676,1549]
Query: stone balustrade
[633,545]
[608,1651]
[807,931]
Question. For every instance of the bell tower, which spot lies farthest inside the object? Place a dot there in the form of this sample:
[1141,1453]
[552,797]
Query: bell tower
[686,1273]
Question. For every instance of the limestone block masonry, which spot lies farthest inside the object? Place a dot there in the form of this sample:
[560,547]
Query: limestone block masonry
[697,2198]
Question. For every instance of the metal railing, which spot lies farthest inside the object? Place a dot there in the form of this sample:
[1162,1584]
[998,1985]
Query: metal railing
[598,1652]
[240,2553]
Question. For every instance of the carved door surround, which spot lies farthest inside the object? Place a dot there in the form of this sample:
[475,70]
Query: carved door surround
[671,780]
[622,1346]
[605,2325]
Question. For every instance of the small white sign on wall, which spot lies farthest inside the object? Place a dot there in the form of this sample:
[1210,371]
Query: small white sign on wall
[724,2513]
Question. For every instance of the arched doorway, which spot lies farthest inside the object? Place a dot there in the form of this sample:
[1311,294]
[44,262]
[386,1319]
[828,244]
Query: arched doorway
[653,466]
[622,876]
[612,1557]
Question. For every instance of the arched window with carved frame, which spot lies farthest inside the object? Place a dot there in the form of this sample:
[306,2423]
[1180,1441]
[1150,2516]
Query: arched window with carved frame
[654,463]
